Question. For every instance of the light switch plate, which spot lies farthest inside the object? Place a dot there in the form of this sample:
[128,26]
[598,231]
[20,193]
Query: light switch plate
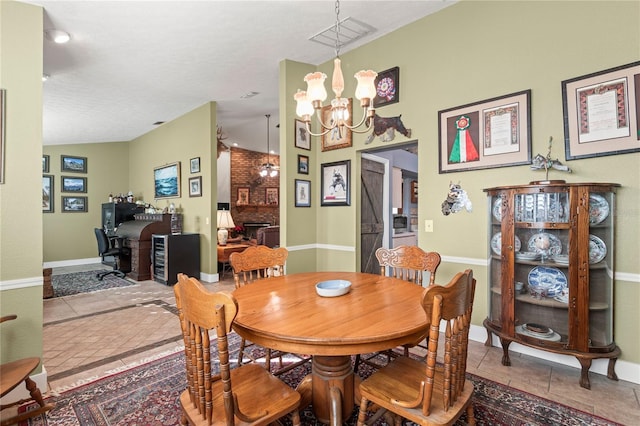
[428,226]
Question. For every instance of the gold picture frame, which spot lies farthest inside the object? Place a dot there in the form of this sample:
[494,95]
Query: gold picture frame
[333,139]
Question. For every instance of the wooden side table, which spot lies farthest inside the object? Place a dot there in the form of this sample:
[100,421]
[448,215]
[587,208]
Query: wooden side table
[225,251]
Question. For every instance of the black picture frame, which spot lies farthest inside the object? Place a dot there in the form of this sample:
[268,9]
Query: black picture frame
[387,87]
[47,193]
[74,204]
[301,137]
[45,164]
[335,180]
[72,164]
[611,98]
[195,186]
[303,193]
[303,164]
[73,184]
[166,181]
[194,165]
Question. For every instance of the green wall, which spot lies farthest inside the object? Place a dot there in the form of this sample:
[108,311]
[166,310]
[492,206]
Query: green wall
[21,194]
[467,53]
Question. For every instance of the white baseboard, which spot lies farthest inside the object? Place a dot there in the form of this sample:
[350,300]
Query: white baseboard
[21,392]
[625,370]
[72,262]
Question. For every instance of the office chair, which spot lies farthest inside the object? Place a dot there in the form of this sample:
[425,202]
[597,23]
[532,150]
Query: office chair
[105,249]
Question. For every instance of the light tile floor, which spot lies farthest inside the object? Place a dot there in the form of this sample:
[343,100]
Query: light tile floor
[87,336]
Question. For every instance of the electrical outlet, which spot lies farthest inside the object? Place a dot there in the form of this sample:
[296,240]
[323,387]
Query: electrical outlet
[428,226]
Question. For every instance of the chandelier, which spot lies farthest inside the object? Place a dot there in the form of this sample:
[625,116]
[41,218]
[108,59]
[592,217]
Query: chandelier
[268,168]
[312,99]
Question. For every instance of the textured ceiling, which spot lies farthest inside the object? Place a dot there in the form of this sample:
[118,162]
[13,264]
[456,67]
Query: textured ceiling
[130,64]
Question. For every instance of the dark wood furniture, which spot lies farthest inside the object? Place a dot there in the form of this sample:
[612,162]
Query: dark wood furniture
[137,237]
[113,215]
[244,395]
[172,254]
[421,391]
[14,373]
[558,239]
[286,313]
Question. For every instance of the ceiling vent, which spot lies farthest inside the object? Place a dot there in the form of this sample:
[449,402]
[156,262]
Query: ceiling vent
[350,31]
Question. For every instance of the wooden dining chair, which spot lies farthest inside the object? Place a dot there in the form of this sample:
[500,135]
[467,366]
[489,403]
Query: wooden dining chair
[426,392]
[407,263]
[11,375]
[247,395]
[252,265]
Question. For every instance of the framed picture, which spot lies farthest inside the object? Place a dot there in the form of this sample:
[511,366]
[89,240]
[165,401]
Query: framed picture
[194,164]
[491,133]
[335,180]
[387,87]
[271,196]
[336,139]
[73,164]
[243,196]
[45,164]
[195,186]
[166,181]
[303,164]
[302,137]
[74,204]
[3,118]
[74,184]
[601,115]
[303,193]
[47,194]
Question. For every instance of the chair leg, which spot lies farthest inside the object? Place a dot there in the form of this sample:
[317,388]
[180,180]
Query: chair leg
[362,415]
[241,352]
[295,417]
[471,420]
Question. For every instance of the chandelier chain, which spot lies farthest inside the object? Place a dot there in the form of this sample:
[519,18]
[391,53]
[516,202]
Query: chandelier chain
[337,28]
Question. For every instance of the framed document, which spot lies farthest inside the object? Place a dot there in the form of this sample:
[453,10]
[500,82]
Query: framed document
[601,113]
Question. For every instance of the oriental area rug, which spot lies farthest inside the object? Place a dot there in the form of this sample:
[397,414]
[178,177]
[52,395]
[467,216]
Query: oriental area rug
[148,395]
[85,282]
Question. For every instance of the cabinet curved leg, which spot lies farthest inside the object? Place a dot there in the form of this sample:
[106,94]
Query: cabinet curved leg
[489,340]
[505,352]
[584,374]
[611,369]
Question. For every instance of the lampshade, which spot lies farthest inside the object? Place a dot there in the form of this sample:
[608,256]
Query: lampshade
[225,220]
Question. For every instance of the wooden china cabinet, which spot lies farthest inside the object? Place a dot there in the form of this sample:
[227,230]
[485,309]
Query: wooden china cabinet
[551,270]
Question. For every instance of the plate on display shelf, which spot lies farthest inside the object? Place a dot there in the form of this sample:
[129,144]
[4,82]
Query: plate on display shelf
[545,244]
[561,258]
[598,209]
[526,255]
[497,209]
[525,330]
[549,281]
[597,249]
[496,243]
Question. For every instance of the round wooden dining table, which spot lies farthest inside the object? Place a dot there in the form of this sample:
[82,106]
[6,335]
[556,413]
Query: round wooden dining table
[286,313]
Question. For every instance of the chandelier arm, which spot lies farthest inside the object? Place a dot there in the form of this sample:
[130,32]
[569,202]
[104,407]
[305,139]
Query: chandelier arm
[364,118]
[306,123]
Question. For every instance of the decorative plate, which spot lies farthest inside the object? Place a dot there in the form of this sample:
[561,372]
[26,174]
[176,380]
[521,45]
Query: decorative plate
[527,255]
[554,337]
[333,288]
[545,244]
[497,209]
[549,280]
[598,209]
[496,243]
[597,249]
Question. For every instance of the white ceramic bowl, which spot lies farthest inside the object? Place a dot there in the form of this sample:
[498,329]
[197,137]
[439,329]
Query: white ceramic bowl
[333,288]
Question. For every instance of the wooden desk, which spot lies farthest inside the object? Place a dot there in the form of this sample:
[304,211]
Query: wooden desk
[286,313]
[225,251]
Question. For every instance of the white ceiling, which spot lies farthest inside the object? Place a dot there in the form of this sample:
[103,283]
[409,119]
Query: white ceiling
[130,64]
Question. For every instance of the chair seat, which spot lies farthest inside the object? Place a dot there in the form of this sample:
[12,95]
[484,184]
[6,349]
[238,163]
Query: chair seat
[257,392]
[13,373]
[400,380]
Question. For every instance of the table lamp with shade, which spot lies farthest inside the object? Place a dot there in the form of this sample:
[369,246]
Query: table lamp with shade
[224,222]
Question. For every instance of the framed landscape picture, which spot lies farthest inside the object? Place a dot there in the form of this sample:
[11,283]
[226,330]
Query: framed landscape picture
[74,204]
[195,186]
[73,164]
[194,165]
[47,193]
[74,184]
[166,181]
[303,164]
[335,180]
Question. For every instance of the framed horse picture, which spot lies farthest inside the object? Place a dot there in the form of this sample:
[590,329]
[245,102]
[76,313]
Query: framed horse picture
[335,181]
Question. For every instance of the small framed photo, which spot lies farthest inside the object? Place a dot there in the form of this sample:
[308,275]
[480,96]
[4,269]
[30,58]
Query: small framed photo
[303,164]
[271,196]
[302,137]
[303,193]
[195,186]
[601,115]
[243,196]
[47,193]
[74,184]
[194,164]
[74,205]
[166,181]
[487,134]
[45,164]
[335,180]
[387,87]
[73,164]
[336,138]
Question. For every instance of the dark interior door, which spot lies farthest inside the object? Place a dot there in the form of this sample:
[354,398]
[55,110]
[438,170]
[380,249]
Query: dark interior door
[371,219]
